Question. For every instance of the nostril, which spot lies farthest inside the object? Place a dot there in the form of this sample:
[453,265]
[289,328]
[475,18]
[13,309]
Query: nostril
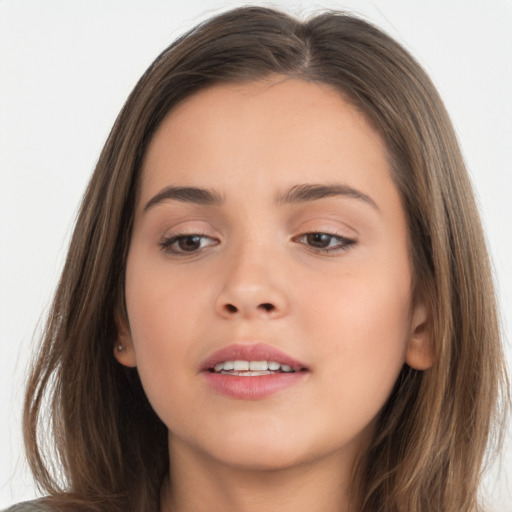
[264,306]
[231,308]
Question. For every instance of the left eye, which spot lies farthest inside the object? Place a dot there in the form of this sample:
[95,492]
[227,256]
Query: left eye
[325,241]
[180,244]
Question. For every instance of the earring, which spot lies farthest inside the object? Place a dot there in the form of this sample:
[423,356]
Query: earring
[120,348]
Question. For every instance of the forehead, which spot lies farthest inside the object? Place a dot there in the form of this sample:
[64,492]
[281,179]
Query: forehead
[267,135]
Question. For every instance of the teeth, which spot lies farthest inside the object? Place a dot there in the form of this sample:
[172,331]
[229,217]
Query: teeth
[240,365]
[258,365]
[251,368]
[247,374]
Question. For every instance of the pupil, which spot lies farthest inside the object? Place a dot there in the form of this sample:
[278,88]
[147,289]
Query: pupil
[318,239]
[189,243]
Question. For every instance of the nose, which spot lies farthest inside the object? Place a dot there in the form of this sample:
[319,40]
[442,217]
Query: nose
[253,287]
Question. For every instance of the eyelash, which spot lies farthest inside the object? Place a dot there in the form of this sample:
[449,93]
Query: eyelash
[343,243]
[167,243]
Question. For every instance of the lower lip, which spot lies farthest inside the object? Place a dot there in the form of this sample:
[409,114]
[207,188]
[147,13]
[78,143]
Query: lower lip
[252,388]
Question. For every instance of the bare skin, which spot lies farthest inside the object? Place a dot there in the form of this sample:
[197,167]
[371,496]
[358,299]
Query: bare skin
[199,485]
[322,276]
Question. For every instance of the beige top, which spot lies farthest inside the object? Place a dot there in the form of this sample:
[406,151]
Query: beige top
[29,506]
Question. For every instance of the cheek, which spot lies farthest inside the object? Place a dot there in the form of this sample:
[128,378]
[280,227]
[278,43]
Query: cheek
[156,315]
[360,325]
[162,299]
[163,311]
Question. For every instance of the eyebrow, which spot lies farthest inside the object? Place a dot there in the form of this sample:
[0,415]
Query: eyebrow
[186,195]
[296,194]
[313,192]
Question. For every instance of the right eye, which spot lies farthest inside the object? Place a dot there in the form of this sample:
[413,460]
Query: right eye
[186,244]
[326,243]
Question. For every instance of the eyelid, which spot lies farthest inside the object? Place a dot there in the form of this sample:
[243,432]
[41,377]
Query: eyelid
[321,221]
[345,244]
[167,241]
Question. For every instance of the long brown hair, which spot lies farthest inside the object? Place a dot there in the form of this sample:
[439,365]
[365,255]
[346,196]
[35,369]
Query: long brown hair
[107,449]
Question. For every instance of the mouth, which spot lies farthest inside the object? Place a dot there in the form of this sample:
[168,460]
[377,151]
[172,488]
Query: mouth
[251,372]
[242,368]
[245,359]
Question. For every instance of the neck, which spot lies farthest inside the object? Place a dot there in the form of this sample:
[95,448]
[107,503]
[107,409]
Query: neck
[200,484]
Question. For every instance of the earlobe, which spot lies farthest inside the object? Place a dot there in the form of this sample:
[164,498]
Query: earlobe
[123,347]
[420,348]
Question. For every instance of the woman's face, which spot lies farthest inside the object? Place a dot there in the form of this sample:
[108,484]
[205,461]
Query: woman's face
[268,230]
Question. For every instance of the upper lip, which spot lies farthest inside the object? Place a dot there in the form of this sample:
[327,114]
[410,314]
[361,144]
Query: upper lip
[250,352]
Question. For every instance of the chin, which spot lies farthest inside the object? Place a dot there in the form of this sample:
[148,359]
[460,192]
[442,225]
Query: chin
[249,459]
[268,452]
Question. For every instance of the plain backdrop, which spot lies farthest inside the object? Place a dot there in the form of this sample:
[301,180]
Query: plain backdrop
[66,68]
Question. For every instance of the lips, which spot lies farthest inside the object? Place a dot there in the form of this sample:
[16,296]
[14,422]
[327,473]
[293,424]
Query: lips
[251,372]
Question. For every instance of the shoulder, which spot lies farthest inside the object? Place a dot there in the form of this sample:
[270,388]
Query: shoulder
[30,506]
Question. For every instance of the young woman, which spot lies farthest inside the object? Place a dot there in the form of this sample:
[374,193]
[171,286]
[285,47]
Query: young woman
[277,295]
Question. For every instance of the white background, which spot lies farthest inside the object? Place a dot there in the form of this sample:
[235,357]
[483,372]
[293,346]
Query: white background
[66,68]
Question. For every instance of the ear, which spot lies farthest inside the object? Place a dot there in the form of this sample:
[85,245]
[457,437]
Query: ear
[123,347]
[420,348]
